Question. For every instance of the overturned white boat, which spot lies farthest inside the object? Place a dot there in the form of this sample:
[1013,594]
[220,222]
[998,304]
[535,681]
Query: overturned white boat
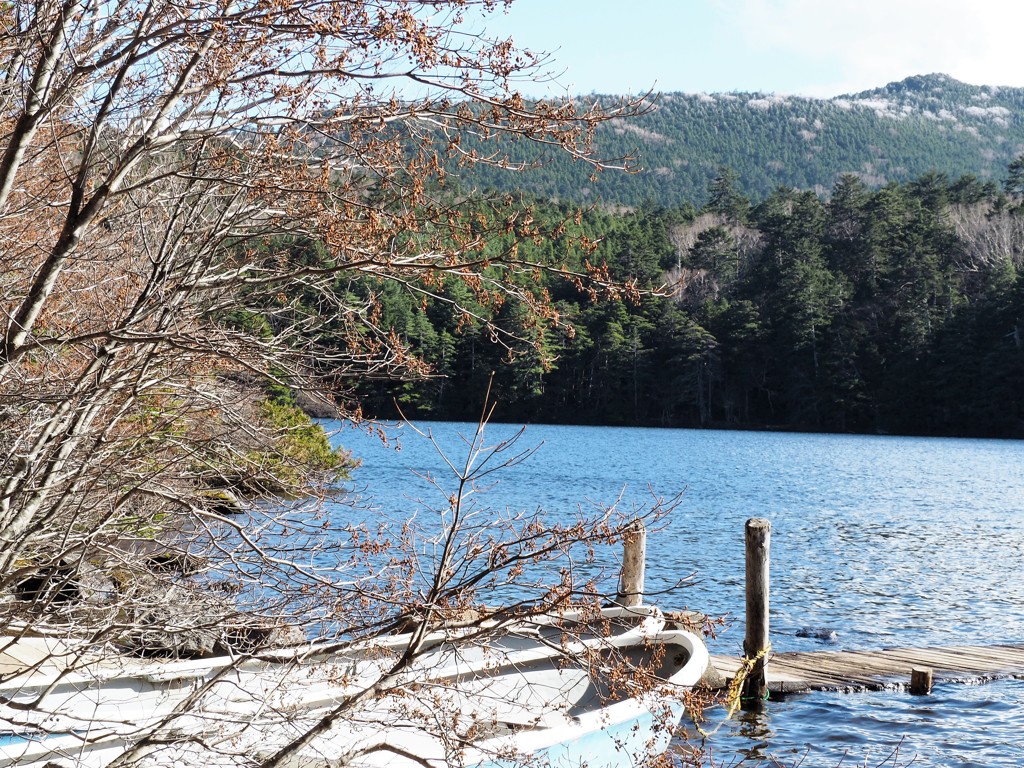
[548,692]
[530,710]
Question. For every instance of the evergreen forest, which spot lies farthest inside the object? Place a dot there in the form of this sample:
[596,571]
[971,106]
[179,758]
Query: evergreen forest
[674,149]
[890,310]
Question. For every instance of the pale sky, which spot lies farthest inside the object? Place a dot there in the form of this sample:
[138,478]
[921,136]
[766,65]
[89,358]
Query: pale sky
[796,47]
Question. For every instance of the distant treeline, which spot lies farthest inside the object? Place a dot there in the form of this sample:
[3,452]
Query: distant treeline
[893,310]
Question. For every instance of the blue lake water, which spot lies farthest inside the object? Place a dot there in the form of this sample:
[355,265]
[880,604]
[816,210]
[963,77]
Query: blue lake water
[885,540]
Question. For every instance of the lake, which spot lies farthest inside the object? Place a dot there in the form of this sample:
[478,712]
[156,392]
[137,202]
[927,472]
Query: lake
[885,540]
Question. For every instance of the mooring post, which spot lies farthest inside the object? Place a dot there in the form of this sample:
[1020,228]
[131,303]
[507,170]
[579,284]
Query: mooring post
[634,556]
[755,643]
[920,681]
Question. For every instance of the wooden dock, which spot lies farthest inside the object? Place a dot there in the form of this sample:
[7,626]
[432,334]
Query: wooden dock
[887,669]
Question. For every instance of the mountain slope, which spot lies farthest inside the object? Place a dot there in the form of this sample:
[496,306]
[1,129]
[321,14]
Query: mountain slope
[895,133]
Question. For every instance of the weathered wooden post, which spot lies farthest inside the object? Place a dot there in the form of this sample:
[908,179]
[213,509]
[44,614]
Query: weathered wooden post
[634,556]
[920,681]
[755,643]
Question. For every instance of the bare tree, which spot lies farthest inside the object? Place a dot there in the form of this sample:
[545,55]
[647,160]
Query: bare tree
[692,283]
[153,154]
[989,239]
[159,163]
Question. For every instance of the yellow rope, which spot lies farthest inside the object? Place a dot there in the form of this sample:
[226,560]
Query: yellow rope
[732,697]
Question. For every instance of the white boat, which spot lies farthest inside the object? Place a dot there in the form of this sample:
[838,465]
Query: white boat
[546,688]
[534,711]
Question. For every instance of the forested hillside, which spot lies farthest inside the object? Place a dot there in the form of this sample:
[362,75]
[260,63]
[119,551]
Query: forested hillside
[895,133]
[850,264]
[897,310]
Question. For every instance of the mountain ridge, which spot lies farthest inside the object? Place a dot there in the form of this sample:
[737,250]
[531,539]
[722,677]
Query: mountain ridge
[895,132]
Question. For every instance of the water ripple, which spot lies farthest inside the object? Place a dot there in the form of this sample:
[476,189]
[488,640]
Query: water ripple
[887,541]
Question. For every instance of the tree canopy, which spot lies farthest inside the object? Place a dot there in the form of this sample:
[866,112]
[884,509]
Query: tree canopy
[889,310]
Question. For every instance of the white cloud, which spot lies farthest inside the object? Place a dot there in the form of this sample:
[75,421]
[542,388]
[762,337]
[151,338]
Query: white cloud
[805,47]
[868,43]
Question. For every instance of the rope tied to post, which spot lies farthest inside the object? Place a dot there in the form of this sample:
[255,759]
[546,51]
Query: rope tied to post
[733,696]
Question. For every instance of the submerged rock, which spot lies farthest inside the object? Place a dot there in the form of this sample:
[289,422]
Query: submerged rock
[222,501]
[821,634]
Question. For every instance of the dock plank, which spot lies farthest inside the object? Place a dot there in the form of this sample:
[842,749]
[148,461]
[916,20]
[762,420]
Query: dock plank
[880,669]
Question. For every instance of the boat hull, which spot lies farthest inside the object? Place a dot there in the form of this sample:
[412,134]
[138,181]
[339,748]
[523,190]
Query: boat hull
[532,693]
[559,716]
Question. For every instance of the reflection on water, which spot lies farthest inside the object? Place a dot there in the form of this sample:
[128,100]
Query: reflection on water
[883,540]
[955,727]
[753,730]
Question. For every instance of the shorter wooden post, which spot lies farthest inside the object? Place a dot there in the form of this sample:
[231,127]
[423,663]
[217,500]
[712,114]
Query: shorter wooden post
[634,556]
[755,644]
[920,681]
